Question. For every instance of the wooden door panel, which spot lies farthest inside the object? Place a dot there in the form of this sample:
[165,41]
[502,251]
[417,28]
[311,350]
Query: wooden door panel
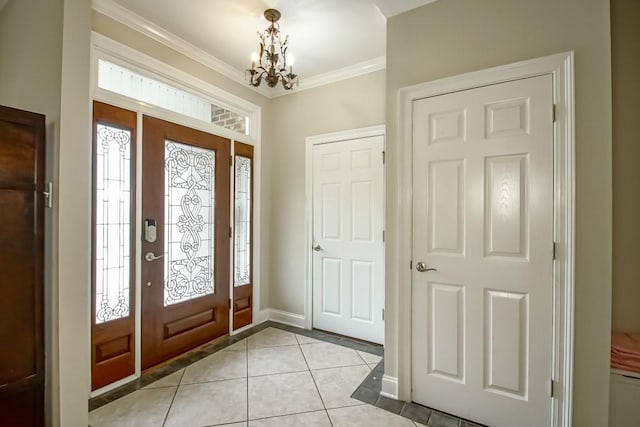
[22,406]
[243,218]
[171,325]
[112,335]
[17,209]
[21,264]
[17,159]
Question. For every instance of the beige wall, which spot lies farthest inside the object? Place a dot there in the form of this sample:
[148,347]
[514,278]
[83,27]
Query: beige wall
[44,67]
[451,37]
[349,104]
[72,247]
[30,71]
[625,60]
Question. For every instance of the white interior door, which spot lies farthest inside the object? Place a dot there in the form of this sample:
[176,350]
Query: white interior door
[348,255]
[483,219]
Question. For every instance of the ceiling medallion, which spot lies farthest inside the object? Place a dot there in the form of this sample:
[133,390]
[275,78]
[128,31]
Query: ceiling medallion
[271,64]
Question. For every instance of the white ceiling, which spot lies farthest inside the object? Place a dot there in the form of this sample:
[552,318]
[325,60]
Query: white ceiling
[324,35]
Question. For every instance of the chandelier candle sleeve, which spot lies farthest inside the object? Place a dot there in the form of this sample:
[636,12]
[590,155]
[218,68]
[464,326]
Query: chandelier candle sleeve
[271,64]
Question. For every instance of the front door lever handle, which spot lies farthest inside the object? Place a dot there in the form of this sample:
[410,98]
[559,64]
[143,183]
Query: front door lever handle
[150,256]
[422,267]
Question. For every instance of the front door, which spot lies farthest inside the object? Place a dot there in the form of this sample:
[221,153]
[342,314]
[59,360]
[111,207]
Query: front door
[348,251]
[186,235]
[483,253]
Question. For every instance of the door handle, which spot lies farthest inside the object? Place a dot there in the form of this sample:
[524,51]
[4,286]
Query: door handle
[150,256]
[422,267]
[317,248]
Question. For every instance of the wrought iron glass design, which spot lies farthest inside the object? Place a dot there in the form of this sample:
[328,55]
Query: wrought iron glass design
[189,201]
[242,243]
[113,223]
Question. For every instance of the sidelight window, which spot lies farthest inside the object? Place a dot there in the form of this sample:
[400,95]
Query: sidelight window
[112,206]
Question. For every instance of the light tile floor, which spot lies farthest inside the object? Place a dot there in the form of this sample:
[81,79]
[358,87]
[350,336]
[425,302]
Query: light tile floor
[273,378]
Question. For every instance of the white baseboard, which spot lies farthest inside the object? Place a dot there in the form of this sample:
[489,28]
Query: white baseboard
[389,387]
[114,385]
[283,317]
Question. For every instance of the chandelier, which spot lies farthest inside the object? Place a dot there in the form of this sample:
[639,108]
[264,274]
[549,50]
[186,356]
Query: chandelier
[271,64]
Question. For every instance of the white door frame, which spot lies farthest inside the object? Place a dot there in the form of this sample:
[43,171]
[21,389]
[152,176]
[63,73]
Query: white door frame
[561,67]
[310,141]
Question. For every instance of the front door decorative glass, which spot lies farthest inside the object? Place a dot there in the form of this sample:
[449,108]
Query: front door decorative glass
[112,222]
[189,222]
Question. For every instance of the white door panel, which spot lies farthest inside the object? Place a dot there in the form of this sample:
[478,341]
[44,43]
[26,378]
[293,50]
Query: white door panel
[483,218]
[348,270]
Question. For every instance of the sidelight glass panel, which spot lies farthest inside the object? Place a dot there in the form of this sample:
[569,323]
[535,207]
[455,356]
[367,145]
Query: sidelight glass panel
[113,223]
[189,202]
[242,244]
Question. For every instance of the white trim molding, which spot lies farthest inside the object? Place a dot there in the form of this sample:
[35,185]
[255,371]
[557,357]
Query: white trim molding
[389,387]
[155,32]
[284,317]
[345,135]
[142,25]
[561,68]
[365,67]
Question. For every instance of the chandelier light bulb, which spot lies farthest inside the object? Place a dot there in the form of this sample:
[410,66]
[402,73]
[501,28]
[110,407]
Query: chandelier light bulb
[291,60]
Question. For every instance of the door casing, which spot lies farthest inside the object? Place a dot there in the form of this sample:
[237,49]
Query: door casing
[396,382]
[366,132]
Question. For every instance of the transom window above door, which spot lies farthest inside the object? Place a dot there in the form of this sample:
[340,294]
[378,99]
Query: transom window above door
[126,82]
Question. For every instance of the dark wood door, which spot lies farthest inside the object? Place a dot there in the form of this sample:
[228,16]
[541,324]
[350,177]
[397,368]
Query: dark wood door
[22,150]
[243,236]
[113,266]
[185,266]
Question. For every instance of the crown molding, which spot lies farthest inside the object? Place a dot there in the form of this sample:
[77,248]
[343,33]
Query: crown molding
[138,23]
[132,20]
[365,67]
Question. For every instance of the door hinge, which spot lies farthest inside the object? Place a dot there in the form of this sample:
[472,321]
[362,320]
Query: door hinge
[48,195]
[383,314]
[553,113]
[230,232]
[554,251]
[553,389]
[229,303]
[384,157]
[230,160]
[411,265]
[383,235]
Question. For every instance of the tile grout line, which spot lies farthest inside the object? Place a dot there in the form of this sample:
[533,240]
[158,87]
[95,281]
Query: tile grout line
[166,416]
[314,380]
[288,415]
[246,352]
[362,358]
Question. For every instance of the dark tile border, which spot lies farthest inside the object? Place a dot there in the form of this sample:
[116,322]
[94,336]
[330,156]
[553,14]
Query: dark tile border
[369,392]
[194,356]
